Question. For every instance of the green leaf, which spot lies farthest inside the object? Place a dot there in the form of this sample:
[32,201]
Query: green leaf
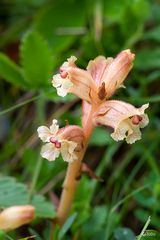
[36,60]
[33,232]
[11,72]
[43,208]
[136,14]
[147,59]
[114,9]
[60,23]
[56,232]
[66,226]
[141,9]
[124,234]
[146,201]
[2,234]
[153,34]
[13,193]
[97,219]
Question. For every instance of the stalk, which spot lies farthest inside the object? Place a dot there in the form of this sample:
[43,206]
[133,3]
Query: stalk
[71,181]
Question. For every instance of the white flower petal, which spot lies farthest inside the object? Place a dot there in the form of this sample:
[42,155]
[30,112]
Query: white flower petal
[63,85]
[50,152]
[69,63]
[44,133]
[133,137]
[145,121]
[121,131]
[68,150]
[54,127]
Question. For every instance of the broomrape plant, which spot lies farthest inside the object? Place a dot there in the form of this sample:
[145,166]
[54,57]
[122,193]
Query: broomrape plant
[95,85]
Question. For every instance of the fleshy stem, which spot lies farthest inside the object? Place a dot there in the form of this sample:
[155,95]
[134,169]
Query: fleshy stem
[71,181]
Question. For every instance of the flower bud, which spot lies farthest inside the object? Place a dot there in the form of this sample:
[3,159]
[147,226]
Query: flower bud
[117,71]
[16,216]
[75,134]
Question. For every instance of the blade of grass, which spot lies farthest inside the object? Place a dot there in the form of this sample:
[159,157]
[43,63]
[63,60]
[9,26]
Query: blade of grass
[19,105]
[144,228]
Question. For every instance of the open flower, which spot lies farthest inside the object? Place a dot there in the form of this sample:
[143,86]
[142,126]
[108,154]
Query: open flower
[100,80]
[95,85]
[125,119]
[60,141]
[73,80]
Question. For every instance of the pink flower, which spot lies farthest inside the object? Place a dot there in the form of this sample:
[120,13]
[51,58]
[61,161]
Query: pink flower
[124,118]
[65,141]
[100,80]
[95,85]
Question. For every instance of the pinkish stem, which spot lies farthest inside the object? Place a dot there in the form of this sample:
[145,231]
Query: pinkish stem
[71,178]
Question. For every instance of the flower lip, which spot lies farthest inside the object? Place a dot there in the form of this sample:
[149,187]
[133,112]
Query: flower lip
[63,74]
[55,142]
[136,119]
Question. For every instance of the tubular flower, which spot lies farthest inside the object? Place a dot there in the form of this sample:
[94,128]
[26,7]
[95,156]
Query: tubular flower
[61,81]
[100,80]
[95,85]
[65,141]
[16,216]
[73,79]
[125,119]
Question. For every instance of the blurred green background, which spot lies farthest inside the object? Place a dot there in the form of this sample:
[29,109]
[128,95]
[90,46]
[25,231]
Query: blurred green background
[36,38]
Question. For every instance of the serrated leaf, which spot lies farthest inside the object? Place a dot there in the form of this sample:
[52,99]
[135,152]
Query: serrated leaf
[124,234]
[13,193]
[36,59]
[11,72]
[43,208]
